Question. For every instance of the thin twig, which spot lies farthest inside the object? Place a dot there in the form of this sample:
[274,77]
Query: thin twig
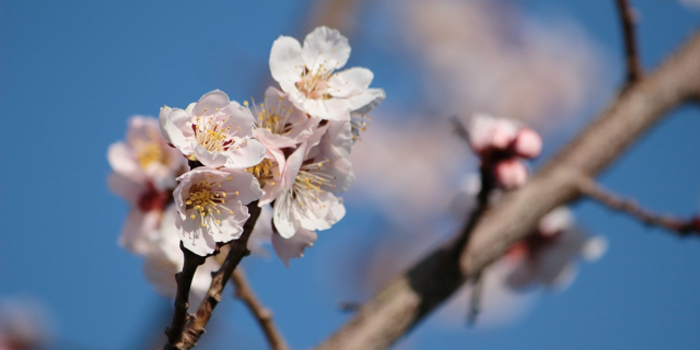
[184,282]
[475,301]
[627,18]
[682,228]
[262,314]
[238,250]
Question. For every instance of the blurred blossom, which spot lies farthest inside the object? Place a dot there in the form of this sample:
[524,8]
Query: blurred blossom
[24,325]
[489,56]
[145,168]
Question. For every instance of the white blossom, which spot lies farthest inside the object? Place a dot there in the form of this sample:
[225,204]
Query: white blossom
[215,131]
[211,206]
[309,74]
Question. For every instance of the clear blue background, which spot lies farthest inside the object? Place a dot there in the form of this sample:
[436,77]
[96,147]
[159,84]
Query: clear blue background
[71,72]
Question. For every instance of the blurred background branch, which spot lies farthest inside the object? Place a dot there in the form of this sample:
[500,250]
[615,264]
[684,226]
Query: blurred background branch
[410,297]
[262,315]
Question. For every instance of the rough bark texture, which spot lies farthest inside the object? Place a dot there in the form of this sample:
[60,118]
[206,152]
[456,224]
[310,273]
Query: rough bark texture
[411,296]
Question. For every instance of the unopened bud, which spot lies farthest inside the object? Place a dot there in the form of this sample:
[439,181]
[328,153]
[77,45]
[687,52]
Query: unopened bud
[510,173]
[528,143]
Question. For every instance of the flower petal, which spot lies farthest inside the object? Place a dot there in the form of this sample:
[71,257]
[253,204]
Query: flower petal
[175,129]
[351,82]
[325,49]
[286,224]
[244,154]
[212,159]
[286,62]
[244,184]
[211,103]
[294,247]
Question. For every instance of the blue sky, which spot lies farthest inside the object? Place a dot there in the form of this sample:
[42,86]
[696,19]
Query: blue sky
[72,72]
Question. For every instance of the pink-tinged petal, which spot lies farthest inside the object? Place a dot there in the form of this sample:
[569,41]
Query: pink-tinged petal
[378,96]
[211,103]
[139,231]
[556,221]
[241,120]
[176,130]
[126,188]
[325,49]
[282,216]
[245,153]
[510,173]
[293,247]
[292,166]
[351,82]
[275,141]
[286,62]
[122,160]
[244,184]
[594,248]
[341,173]
[211,159]
[528,143]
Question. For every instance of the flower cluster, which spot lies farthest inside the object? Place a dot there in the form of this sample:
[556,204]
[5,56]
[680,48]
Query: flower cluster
[290,151]
[502,144]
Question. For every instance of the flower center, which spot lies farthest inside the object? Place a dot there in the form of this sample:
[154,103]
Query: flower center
[211,133]
[315,86]
[206,200]
[149,151]
[274,119]
[309,181]
[263,172]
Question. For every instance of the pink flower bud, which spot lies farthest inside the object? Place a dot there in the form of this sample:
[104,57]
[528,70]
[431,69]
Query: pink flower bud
[510,173]
[528,143]
[487,132]
[502,134]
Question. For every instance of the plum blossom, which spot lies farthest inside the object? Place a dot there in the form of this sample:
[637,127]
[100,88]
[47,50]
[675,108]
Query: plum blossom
[548,256]
[211,206]
[145,169]
[309,75]
[215,131]
[279,123]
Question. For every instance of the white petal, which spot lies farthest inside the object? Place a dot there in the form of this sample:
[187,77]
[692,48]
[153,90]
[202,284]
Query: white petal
[351,82]
[378,96]
[195,237]
[325,49]
[175,128]
[282,217]
[211,103]
[320,213]
[212,159]
[244,183]
[286,62]
[245,154]
[240,119]
[292,166]
[139,230]
[331,109]
[230,225]
[294,247]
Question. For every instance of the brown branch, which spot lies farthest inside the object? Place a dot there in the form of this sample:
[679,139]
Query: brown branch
[627,18]
[238,250]
[682,228]
[411,296]
[184,282]
[262,314]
